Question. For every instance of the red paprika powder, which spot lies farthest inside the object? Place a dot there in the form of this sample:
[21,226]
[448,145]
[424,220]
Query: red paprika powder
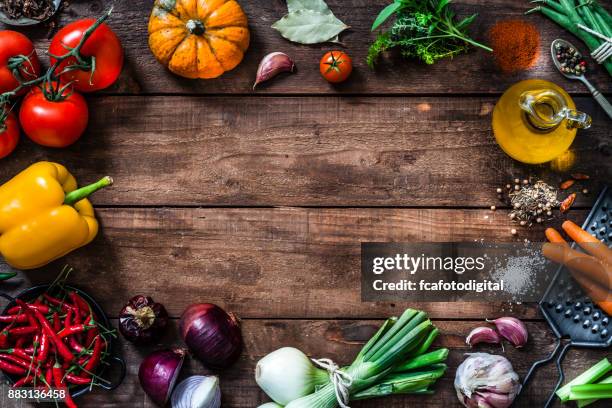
[516,45]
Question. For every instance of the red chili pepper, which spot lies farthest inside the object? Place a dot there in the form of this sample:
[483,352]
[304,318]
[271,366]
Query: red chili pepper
[80,380]
[24,381]
[57,324]
[43,351]
[21,342]
[61,348]
[75,345]
[16,309]
[21,353]
[4,338]
[69,331]
[11,368]
[49,376]
[80,303]
[15,360]
[91,336]
[57,302]
[18,318]
[58,377]
[68,319]
[23,331]
[95,357]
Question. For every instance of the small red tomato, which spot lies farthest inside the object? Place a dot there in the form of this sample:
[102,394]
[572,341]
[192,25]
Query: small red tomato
[13,46]
[54,123]
[103,45]
[336,66]
[9,135]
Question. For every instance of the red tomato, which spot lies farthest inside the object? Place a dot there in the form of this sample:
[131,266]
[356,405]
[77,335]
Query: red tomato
[103,45]
[51,123]
[336,66]
[9,135]
[13,44]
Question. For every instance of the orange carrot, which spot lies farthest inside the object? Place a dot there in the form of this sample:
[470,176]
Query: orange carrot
[554,236]
[588,242]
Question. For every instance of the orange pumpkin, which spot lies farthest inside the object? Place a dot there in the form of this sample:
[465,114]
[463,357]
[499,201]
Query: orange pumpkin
[198,38]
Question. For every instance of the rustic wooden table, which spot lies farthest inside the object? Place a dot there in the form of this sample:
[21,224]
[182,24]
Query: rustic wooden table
[258,201]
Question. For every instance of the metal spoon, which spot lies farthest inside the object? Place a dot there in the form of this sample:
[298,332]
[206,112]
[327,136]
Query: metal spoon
[23,21]
[596,94]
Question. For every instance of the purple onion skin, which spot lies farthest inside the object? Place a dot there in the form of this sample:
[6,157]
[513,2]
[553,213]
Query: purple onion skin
[158,373]
[211,334]
[129,320]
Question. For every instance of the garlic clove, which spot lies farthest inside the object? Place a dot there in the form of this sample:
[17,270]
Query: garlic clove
[513,330]
[272,65]
[482,335]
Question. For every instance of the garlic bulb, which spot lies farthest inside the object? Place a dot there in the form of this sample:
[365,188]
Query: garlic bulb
[288,374]
[197,391]
[486,381]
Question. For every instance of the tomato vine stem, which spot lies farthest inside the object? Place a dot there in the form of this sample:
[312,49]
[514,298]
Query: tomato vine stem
[50,81]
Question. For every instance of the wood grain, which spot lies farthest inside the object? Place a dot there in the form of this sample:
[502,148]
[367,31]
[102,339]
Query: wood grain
[341,340]
[305,151]
[464,74]
[268,263]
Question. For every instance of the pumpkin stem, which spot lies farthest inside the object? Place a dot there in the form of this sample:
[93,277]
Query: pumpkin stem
[195,27]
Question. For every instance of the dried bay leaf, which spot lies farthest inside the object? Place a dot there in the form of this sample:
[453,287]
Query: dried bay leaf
[309,27]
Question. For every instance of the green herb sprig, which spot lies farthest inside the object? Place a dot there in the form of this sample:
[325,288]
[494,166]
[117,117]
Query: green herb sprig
[427,30]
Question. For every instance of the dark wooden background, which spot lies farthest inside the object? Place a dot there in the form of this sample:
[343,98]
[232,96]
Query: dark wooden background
[258,201]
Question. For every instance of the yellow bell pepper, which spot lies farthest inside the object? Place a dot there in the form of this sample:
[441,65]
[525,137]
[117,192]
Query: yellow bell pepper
[43,216]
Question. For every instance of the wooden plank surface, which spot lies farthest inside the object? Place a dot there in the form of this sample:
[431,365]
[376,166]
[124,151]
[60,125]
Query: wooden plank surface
[342,340]
[464,74]
[269,263]
[334,151]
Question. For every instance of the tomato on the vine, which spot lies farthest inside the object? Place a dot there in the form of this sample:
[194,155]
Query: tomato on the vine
[16,50]
[103,46]
[336,66]
[54,123]
[9,135]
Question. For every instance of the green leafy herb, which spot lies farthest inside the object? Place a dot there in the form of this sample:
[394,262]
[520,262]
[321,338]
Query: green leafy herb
[423,29]
[309,22]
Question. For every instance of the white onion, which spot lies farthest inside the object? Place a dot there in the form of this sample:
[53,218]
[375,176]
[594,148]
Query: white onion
[288,374]
[197,391]
[270,405]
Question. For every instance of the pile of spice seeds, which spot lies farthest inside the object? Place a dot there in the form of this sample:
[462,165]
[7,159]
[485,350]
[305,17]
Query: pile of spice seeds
[530,202]
[534,203]
[571,60]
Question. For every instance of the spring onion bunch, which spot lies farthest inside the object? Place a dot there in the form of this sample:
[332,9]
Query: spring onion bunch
[570,13]
[396,360]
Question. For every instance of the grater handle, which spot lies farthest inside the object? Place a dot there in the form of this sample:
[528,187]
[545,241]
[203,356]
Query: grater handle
[537,364]
[551,398]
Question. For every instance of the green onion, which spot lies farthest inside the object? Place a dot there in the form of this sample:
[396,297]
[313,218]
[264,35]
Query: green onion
[588,377]
[434,357]
[591,391]
[373,370]
[584,403]
[406,383]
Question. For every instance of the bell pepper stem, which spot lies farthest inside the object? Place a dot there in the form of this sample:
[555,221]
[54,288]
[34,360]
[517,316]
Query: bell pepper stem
[75,196]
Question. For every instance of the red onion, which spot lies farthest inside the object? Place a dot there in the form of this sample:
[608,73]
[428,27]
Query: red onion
[158,373]
[211,334]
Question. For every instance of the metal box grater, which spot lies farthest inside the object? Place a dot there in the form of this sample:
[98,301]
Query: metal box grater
[571,314]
